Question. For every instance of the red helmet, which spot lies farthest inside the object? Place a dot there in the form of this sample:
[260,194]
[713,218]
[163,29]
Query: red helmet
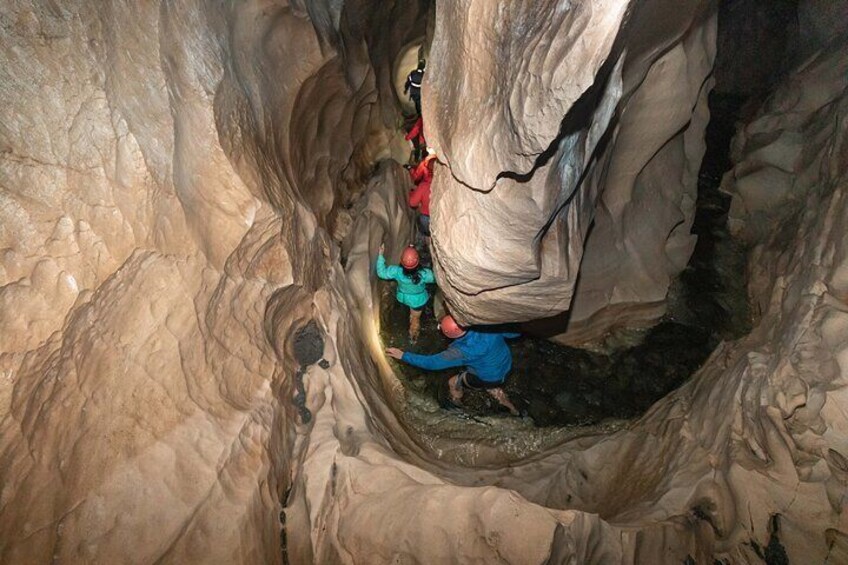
[409,258]
[450,328]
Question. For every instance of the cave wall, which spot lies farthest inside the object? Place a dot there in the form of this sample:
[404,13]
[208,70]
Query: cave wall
[170,172]
[756,42]
[118,421]
[641,238]
[748,458]
[174,183]
[564,156]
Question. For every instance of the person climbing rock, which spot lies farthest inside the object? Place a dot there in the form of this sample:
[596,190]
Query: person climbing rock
[484,354]
[423,171]
[419,197]
[416,136]
[413,85]
[412,282]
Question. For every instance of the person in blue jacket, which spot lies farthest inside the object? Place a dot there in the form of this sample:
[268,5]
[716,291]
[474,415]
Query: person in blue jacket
[485,355]
[412,282]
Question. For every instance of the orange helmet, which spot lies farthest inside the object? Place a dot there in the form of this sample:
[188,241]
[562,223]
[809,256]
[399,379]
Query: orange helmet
[450,328]
[409,258]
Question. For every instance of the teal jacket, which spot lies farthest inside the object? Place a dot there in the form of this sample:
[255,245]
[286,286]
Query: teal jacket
[409,293]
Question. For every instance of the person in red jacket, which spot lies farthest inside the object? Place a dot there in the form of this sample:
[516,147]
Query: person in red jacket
[416,136]
[419,197]
[423,171]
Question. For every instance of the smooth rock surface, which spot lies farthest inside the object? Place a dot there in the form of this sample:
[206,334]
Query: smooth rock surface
[185,186]
[529,168]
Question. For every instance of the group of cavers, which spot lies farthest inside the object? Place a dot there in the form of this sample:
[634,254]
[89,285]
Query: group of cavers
[483,353]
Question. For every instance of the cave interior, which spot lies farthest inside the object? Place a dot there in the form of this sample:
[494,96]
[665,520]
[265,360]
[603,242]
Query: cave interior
[196,345]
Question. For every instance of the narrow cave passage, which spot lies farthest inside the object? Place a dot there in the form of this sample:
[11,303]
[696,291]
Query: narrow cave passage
[557,385]
[192,333]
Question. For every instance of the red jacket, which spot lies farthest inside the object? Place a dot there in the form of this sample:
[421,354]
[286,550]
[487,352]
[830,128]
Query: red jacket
[417,131]
[419,197]
[422,176]
[423,171]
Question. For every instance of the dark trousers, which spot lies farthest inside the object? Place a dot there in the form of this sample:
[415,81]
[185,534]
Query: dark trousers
[415,94]
[424,224]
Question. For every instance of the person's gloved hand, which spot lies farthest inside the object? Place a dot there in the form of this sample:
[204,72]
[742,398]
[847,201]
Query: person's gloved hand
[394,352]
[382,249]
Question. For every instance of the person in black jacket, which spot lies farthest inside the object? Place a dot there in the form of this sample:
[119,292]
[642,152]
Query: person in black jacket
[413,85]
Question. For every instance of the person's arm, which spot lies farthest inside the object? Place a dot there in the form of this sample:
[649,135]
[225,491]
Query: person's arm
[511,335]
[450,357]
[427,276]
[408,81]
[387,273]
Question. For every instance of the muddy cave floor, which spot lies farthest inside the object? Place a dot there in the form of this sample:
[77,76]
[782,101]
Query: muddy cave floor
[560,386]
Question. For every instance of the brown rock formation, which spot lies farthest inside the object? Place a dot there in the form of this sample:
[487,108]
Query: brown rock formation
[175,179]
[534,159]
[168,174]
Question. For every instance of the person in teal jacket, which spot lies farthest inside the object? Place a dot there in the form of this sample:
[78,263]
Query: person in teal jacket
[412,281]
[483,352]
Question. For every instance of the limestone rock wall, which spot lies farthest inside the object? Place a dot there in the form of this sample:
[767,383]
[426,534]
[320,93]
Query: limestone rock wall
[169,175]
[641,236]
[751,451]
[175,180]
[587,115]
[749,454]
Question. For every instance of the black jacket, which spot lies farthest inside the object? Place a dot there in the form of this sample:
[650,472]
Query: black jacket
[413,82]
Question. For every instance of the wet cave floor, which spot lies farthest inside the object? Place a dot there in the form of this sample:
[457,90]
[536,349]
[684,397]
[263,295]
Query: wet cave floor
[564,386]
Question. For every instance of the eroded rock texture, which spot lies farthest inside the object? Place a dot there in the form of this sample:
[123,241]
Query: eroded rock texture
[170,172]
[589,112]
[184,186]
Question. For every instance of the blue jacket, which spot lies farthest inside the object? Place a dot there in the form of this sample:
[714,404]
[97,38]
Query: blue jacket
[485,354]
[412,294]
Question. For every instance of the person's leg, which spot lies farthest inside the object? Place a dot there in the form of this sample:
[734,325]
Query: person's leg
[414,324]
[417,100]
[416,148]
[499,395]
[455,388]
[424,228]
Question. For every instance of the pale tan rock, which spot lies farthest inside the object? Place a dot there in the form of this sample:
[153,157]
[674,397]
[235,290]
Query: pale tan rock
[525,175]
[641,237]
[148,213]
[166,224]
